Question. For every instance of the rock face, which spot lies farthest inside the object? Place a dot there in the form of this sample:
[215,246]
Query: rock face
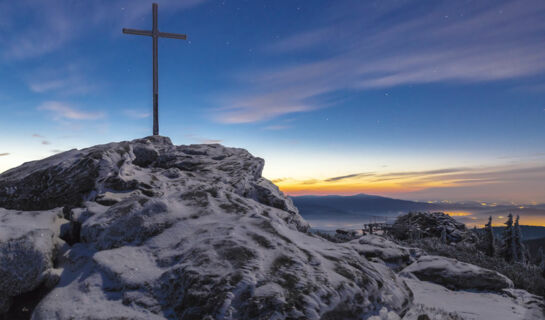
[187,232]
[430,225]
[28,242]
[456,275]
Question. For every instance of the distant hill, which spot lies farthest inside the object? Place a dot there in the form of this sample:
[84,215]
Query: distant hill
[360,205]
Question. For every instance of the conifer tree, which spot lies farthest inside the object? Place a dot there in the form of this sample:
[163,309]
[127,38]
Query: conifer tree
[508,248]
[541,260]
[519,249]
[490,245]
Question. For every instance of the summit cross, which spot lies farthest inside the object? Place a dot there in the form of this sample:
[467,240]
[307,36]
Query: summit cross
[155,34]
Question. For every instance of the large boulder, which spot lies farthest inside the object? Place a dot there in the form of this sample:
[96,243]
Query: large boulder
[456,275]
[28,242]
[374,246]
[190,232]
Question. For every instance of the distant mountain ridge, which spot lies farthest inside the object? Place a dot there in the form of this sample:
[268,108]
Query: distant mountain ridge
[360,204]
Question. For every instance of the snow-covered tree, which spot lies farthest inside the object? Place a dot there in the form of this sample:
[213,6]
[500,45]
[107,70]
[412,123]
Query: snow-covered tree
[509,248]
[519,249]
[541,260]
[444,235]
[489,240]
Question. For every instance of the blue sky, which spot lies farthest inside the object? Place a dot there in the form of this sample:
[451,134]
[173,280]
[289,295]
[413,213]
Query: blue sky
[320,89]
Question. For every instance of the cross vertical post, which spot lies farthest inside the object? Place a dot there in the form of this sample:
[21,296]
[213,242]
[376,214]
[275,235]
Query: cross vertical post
[155,34]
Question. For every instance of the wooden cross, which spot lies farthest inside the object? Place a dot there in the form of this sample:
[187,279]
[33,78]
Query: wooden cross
[155,34]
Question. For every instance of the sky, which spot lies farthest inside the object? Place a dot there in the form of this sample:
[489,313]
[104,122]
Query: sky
[422,100]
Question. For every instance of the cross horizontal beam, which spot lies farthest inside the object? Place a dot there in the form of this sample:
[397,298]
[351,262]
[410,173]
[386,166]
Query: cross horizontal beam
[138,32]
[172,35]
[159,34]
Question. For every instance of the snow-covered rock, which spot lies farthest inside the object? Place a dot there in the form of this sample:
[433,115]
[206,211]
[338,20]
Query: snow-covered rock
[28,241]
[510,304]
[384,314]
[454,274]
[190,232]
[430,224]
[374,246]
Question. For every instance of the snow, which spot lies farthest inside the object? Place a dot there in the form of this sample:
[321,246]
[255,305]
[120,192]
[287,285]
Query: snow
[456,274]
[372,246]
[27,244]
[16,224]
[475,305]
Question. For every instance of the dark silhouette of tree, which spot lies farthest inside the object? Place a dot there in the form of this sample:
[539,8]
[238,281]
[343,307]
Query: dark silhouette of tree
[489,239]
[520,250]
[541,260]
[508,247]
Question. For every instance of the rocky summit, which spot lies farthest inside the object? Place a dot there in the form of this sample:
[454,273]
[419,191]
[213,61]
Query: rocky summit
[149,230]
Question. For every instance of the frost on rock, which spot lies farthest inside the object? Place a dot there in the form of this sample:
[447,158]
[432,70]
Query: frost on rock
[374,246]
[190,232]
[454,274]
[28,241]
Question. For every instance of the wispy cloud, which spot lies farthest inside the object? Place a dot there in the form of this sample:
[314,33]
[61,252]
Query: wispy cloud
[4,154]
[270,106]
[277,127]
[45,142]
[61,110]
[211,141]
[349,176]
[69,78]
[303,40]
[136,114]
[56,23]
[203,140]
[35,135]
[363,48]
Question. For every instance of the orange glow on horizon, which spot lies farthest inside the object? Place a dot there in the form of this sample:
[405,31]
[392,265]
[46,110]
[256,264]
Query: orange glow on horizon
[458,213]
[351,187]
